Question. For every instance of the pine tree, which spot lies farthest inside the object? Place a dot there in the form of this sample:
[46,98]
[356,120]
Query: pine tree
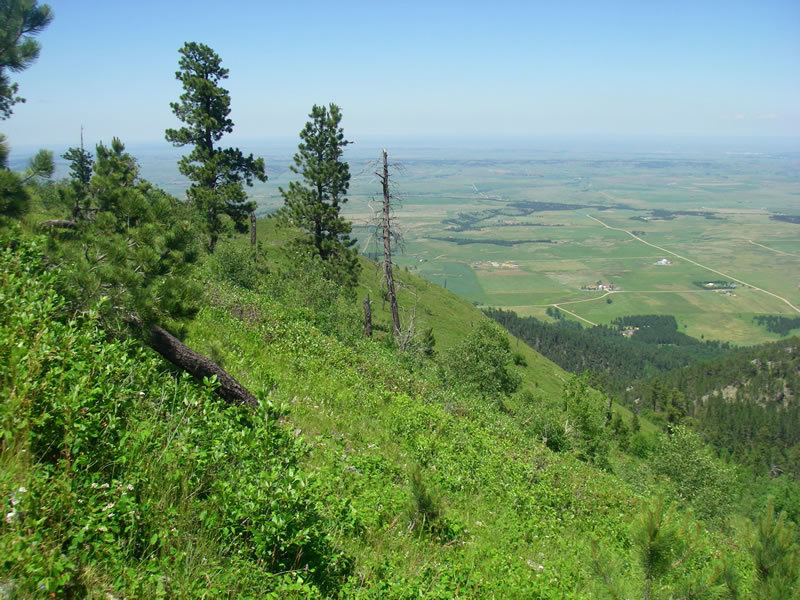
[776,557]
[314,205]
[80,169]
[136,252]
[19,21]
[218,175]
[662,545]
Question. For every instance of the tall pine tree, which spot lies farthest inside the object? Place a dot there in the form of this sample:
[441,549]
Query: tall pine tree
[315,204]
[217,174]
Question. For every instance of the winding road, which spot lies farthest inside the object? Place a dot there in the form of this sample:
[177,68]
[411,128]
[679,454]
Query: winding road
[702,266]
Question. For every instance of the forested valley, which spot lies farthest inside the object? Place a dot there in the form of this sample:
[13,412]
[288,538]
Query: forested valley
[200,404]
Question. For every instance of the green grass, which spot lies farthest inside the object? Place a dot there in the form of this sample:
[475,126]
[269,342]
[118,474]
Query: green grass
[236,503]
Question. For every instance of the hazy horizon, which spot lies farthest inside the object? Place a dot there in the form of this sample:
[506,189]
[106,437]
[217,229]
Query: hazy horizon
[439,69]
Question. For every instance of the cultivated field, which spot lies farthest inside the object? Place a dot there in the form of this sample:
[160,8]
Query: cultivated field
[530,233]
[518,227]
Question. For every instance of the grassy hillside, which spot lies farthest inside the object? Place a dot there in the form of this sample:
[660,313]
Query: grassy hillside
[368,472]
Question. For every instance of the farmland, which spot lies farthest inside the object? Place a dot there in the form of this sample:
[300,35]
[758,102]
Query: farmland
[528,233]
[525,226]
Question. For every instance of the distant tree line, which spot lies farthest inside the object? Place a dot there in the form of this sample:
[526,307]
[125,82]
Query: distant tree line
[657,347]
[787,218]
[777,323]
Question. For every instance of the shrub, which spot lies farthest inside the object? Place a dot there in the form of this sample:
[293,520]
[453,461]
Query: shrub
[482,362]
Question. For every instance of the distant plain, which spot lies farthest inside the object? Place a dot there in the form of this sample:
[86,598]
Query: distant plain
[524,225]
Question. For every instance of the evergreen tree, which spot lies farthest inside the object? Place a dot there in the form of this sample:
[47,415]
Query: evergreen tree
[315,204]
[776,558]
[662,546]
[132,260]
[80,168]
[19,21]
[217,174]
[80,164]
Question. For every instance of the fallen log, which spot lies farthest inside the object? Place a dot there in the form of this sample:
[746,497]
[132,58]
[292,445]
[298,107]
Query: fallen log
[59,224]
[179,354]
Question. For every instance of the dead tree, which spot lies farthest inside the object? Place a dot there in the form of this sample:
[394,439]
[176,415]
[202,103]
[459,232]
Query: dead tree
[252,229]
[179,354]
[387,246]
[367,317]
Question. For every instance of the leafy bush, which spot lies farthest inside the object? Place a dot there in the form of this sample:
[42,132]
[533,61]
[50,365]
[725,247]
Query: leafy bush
[119,476]
[482,362]
[238,264]
[702,479]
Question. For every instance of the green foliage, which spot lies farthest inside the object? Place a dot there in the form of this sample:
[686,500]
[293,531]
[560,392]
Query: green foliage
[621,432]
[761,428]
[4,151]
[547,421]
[641,445]
[315,204]
[428,343]
[425,512]
[119,476]
[778,323]
[776,557]
[304,286]
[663,546]
[80,165]
[14,199]
[40,165]
[218,175]
[238,264]
[77,195]
[657,347]
[482,362]
[20,20]
[133,260]
[702,479]
[585,413]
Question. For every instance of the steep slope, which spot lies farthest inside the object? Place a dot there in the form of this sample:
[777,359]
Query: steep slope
[368,473]
[434,490]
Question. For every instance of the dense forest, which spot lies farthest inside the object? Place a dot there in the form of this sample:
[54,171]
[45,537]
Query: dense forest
[744,403]
[777,323]
[200,404]
[654,346]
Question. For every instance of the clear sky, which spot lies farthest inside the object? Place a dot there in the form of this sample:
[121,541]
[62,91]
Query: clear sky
[434,68]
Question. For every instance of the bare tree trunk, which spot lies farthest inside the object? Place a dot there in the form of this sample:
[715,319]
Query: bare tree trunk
[179,354]
[252,229]
[387,250]
[608,412]
[367,317]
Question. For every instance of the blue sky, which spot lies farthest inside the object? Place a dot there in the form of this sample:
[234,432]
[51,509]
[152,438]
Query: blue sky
[430,69]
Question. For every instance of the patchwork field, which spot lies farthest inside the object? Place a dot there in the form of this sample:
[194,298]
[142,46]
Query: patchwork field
[513,226]
[530,233]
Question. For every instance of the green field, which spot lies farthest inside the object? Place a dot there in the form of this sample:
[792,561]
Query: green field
[513,228]
[519,234]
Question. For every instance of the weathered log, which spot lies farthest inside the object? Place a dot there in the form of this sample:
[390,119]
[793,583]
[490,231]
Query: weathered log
[178,353]
[59,224]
